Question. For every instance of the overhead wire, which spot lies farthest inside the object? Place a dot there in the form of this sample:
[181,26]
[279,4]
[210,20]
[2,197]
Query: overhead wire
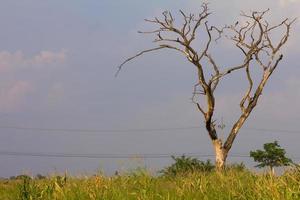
[115,156]
[109,131]
[76,155]
[132,130]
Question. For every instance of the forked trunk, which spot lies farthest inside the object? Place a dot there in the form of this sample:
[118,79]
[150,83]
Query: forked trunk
[221,155]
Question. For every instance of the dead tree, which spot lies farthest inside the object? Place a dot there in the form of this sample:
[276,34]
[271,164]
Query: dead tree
[251,36]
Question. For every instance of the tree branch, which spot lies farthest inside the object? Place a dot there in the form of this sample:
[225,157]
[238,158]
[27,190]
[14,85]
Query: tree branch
[135,56]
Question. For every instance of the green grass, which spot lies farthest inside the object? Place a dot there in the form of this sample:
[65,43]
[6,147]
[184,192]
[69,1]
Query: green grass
[232,184]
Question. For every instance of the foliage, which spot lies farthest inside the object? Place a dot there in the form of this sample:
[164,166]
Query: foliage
[23,177]
[28,190]
[272,156]
[185,164]
[234,184]
[40,176]
[237,167]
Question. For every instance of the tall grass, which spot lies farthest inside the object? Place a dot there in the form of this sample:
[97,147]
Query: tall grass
[231,184]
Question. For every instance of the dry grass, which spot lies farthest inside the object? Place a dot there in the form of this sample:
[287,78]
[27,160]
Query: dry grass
[232,184]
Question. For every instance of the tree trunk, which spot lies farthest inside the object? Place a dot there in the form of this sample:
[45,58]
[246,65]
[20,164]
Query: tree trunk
[221,155]
[272,170]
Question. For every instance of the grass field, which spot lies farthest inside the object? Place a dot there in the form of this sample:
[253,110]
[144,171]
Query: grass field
[231,184]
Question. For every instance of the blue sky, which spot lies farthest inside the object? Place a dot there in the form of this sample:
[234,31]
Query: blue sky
[57,65]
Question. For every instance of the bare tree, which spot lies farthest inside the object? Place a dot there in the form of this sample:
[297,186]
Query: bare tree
[251,36]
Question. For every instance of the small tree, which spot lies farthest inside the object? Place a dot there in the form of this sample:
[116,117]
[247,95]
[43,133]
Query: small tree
[252,37]
[272,156]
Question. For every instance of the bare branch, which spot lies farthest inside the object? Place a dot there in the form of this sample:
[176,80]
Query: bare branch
[200,109]
[285,36]
[228,71]
[207,43]
[217,72]
[204,14]
[135,56]
[276,63]
[247,94]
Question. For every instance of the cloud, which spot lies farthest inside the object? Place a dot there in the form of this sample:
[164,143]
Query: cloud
[284,3]
[15,84]
[9,61]
[11,97]
[48,57]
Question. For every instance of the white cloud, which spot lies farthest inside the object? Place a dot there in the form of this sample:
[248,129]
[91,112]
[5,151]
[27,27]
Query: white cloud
[48,57]
[9,61]
[15,85]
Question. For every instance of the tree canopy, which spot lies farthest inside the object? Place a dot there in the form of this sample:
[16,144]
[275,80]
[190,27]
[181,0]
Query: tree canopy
[272,156]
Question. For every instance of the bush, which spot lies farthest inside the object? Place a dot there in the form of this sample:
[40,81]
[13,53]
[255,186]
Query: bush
[23,177]
[185,164]
[40,177]
[237,167]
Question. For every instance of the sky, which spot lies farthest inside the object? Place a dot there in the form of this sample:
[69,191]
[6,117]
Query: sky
[57,64]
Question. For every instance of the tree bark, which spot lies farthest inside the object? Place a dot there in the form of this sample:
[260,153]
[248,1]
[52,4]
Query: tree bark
[272,170]
[221,154]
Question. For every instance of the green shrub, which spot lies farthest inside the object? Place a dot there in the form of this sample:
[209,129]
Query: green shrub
[40,177]
[237,167]
[185,164]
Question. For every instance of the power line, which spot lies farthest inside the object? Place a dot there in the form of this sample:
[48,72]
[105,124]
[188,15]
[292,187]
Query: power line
[145,130]
[108,131]
[273,130]
[115,156]
[72,155]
